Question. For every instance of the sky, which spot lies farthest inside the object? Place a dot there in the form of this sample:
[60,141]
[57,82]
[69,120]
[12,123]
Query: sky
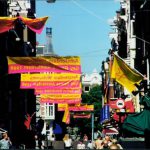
[79,28]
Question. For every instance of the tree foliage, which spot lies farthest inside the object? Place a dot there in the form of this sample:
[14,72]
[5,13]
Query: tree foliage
[93,97]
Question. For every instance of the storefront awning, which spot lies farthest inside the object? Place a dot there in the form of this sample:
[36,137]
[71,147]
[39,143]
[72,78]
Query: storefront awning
[110,131]
[139,123]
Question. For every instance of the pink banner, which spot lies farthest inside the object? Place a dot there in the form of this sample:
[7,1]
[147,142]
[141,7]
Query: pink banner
[16,68]
[58,91]
[51,85]
[82,116]
[44,64]
[36,24]
[77,108]
[58,101]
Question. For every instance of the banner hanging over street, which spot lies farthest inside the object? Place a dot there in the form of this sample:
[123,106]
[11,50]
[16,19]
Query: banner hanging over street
[50,85]
[50,77]
[62,101]
[61,96]
[36,24]
[58,91]
[61,107]
[68,64]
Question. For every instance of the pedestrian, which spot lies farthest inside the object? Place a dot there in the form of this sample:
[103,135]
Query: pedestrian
[105,145]
[108,139]
[114,141]
[52,140]
[114,146]
[67,141]
[81,145]
[98,143]
[85,137]
[5,143]
[36,142]
[90,145]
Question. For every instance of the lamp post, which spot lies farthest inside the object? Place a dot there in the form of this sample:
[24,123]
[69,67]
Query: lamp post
[92,122]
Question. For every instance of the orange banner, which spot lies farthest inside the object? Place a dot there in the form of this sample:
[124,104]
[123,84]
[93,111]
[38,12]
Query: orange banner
[36,24]
[50,77]
[66,117]
[62,101]
[6,23]
[61,107]
[61,96]
[44,64]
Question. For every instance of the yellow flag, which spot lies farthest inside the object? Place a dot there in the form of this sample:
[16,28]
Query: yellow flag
[66,117]
[125,75]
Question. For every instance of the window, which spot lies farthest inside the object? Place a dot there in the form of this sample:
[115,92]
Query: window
[86,88]
[48,111]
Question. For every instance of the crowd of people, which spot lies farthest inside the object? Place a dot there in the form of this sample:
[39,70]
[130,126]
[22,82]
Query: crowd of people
[105,142]
[84,142]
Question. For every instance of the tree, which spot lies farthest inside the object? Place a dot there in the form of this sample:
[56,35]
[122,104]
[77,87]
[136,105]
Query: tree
[93,97]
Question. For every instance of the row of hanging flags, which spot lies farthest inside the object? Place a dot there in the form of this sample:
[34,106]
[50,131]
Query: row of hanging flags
[128,78]
[55,79]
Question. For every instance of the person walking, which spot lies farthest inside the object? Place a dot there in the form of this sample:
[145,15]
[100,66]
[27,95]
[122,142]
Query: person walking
[67,141]
[81,145]
[98,143]
[5,143]
[90,145]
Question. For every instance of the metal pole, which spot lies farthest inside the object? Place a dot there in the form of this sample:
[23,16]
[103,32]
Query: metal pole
[147,63]
[148,83]
[92,121]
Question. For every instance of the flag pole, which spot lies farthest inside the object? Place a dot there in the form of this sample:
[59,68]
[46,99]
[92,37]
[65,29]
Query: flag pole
[92,123]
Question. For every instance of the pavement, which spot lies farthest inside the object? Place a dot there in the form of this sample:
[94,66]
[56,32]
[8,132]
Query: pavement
[132,143]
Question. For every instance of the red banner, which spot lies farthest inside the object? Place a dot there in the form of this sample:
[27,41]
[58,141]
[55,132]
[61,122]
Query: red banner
[36,24]
[82,116]
[6,23]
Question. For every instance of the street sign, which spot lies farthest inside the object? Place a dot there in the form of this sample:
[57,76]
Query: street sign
[120,103]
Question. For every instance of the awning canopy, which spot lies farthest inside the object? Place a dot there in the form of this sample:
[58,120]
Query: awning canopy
[110,131]
[138,123]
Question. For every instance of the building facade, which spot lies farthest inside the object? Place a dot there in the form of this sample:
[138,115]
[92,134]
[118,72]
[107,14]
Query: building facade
[130,40]
[90,80]
[15,103]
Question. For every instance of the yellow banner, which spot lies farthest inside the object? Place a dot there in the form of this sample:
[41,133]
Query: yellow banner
[50,77]
[66,117]
[45,60]
[60,101]
[61,96]
[76,107]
